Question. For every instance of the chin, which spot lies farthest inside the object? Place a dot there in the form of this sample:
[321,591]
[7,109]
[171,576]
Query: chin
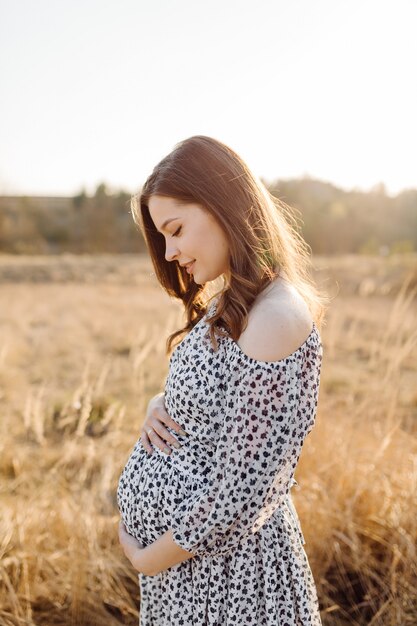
[202,279]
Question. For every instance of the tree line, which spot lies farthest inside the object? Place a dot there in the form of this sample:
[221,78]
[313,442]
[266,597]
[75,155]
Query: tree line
[331,220]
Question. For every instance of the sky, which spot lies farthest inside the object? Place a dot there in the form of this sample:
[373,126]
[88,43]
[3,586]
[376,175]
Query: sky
[98,91]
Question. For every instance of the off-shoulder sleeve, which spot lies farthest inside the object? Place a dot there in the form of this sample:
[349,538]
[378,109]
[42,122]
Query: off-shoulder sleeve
[269,408]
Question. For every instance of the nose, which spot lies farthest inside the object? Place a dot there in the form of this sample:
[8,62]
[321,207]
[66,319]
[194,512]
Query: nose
[171,252]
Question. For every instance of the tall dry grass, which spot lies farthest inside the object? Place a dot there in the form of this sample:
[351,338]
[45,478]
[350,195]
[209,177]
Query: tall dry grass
[78,363]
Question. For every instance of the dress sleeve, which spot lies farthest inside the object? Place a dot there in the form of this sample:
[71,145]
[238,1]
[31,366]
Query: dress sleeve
[269,408]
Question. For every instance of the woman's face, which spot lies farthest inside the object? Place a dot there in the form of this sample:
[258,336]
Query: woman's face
[191,234]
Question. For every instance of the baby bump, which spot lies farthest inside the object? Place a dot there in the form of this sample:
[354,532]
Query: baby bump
[149,489]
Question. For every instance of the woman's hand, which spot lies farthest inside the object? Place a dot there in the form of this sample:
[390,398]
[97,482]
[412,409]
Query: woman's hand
[154,428]
[133,550]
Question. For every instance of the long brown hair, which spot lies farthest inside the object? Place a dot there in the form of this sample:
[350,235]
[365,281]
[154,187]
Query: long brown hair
[262,232]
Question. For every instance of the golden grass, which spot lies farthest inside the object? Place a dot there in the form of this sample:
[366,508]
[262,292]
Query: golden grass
[82,351]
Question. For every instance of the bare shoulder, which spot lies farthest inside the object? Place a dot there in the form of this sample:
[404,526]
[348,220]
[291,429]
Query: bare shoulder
[278,324]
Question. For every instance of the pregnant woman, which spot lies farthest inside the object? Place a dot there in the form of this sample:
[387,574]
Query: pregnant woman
[210,525]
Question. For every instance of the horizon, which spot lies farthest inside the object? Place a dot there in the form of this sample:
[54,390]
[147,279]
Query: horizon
[111,191]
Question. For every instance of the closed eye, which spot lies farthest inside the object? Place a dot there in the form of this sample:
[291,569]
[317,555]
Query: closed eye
[177,232]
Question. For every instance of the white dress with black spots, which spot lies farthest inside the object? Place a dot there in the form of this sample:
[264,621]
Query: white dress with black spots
[225,492]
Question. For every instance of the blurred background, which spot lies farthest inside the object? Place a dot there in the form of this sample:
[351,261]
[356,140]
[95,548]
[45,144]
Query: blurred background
[319,98]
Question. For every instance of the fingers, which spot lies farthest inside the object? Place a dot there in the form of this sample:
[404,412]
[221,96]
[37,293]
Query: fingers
[146,443]
[161,415]
[158,434]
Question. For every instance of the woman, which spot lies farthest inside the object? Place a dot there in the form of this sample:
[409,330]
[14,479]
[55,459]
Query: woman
[210,526]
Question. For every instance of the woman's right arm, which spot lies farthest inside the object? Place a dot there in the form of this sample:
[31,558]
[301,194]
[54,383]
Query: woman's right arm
[154,431]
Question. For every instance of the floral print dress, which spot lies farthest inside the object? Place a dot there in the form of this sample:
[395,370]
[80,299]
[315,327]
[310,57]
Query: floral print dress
[226,492]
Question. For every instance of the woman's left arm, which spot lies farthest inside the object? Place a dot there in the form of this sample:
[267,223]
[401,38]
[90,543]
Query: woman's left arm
[155,558]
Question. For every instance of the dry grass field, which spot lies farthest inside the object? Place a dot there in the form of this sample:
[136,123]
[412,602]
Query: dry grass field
[82,350]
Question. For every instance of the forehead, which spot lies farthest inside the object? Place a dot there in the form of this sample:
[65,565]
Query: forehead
[163,204]
[162,207]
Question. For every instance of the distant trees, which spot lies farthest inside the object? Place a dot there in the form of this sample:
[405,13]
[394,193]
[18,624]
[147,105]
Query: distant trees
[103,223]
[332,220]
[339,221]
[79,200]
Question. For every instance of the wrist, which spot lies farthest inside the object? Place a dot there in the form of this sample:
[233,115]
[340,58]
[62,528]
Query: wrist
[142,562]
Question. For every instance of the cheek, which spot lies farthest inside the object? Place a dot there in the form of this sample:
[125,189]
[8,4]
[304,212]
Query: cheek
[200,241]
